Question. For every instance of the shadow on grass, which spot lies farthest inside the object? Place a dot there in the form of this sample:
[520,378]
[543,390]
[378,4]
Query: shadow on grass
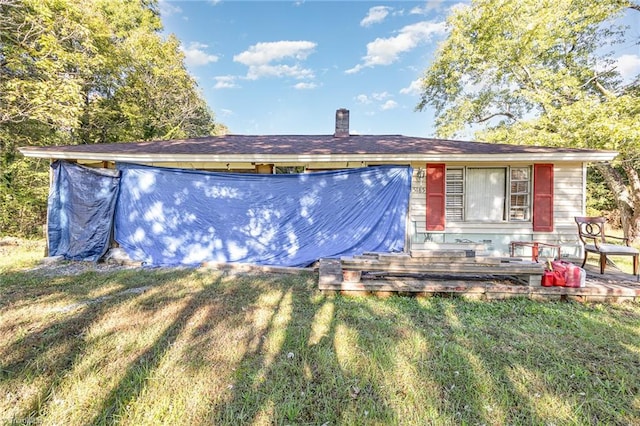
[523,362]
[140,370]
[31,286]
[302,357]
[292,373]
[504,362]
[224,302]
[45,354]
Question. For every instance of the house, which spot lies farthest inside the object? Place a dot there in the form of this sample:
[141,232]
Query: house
[461,193]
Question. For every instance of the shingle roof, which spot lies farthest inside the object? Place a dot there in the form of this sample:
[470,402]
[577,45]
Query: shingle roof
[302,145]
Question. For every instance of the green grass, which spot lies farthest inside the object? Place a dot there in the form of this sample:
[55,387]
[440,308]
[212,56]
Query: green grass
[16,254]
[204,347]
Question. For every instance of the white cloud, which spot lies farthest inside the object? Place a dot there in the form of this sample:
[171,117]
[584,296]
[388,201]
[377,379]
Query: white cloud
[168,9]
[414,88]
[380,99]
[258,71]
[363,99]
[305,86]
[225,112]
[428,6]
[194,54]
[376,15]
[385,51]
[225,82]
[260,57]
[389,105]
[628,66]
[263,53]
[355,69]
[458,7]
[380,96]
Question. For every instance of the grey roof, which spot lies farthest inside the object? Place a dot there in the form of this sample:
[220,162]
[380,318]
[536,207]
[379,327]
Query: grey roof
[272,146]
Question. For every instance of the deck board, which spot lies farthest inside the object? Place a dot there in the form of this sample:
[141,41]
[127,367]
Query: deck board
[613,286]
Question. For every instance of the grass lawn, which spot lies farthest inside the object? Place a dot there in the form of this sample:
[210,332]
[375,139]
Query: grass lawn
[188,346]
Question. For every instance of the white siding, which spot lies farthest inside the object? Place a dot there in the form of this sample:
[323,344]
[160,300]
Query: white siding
[569,194]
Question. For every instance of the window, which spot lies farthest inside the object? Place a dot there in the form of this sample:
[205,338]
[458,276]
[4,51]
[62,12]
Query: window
[519,200]
[488,194]
[455,194]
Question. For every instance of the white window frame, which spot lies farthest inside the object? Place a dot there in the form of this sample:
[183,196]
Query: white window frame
[524,191]
[454,194]
[457,187]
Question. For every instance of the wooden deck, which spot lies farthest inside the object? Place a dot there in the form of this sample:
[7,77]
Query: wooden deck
[612,287]
[458,263]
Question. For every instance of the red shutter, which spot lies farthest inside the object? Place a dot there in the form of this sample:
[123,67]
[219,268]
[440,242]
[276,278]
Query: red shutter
[435,197]
[543,197]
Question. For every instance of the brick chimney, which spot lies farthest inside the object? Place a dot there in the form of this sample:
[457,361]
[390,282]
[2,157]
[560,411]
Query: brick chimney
[342,123]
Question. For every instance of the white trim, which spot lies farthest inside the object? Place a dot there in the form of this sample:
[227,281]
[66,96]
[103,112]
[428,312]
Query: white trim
[583,209]
[552,157]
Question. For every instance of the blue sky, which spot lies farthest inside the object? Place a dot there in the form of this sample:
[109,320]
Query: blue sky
[284,67]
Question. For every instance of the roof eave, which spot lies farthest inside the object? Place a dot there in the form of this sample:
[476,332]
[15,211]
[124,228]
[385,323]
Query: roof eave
[552,157]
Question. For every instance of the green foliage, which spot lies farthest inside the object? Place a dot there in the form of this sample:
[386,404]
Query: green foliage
[600,199]
[23,196]
[156,100]
[537,72]
[42,49]
[505,60]
[85,72]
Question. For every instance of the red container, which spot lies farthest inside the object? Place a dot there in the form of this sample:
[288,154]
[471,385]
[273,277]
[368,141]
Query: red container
[558,278]
[573,276]
[547,278]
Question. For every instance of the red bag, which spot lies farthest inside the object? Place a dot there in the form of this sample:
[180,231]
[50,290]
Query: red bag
[558,279]
[571,275]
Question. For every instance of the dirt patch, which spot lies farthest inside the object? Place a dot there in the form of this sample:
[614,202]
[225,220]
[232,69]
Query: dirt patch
[72,267]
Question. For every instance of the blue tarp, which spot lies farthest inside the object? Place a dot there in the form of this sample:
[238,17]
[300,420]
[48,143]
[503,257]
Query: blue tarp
[180,217]
[80,211]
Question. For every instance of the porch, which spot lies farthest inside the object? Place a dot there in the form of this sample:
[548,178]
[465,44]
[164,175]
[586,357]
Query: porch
[612,287]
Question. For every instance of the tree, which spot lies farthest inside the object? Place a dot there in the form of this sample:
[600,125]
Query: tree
[85,72]
[141,89]
[542,72]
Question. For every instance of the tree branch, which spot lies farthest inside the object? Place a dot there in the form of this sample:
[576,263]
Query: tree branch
[634,181]
[634,6]
[615,182]
[603,91]
[497,114]
[623,198]
[533,83]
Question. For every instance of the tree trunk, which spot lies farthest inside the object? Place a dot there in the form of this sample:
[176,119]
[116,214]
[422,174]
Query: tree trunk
[627,197]
[634,186]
